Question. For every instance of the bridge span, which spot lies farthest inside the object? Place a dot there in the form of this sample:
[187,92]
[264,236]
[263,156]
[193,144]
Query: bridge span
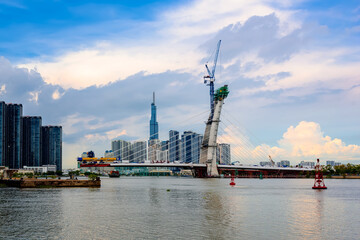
[200,170]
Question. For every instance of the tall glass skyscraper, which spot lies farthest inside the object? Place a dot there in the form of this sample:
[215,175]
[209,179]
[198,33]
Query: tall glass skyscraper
[13,137]
[154,127]
[2,133]
[190,147]
[31,135]
[52,146]
[174,146]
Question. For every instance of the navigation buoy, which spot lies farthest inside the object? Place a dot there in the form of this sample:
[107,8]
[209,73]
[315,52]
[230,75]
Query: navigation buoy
[232,183]
[319,179]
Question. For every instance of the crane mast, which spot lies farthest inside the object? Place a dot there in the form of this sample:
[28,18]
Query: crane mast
[210,79]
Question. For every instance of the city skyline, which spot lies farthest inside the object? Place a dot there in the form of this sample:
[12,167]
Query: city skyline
[25,141]
[292,68]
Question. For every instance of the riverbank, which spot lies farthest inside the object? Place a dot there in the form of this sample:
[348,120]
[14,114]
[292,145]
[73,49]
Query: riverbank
[49,183]
[345,177]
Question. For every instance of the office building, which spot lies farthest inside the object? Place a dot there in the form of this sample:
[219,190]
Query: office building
[13,136]
[31,136]
[2,133]
[174,146]
[154,127]
[52,146]
[190,147]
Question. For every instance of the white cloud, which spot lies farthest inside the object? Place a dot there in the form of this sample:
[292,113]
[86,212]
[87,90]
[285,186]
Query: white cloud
[309,70]
[3,89]
[306,141]
[174,47]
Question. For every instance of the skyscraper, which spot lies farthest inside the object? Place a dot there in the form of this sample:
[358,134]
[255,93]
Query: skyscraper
[174,146]
[2,133]
[154,127]
[190,147]
[13,138]
[52,146]
[31,135]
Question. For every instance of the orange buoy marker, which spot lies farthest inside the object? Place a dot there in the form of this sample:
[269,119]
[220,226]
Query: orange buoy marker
[319,179]
[232,183]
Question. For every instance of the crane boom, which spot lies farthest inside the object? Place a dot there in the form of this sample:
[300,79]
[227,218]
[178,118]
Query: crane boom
[215,59]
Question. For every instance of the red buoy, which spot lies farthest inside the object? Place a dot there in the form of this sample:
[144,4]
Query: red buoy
[232,183]
[319,179]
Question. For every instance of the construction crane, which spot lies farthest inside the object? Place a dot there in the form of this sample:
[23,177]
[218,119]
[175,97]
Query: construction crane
[271,161]
[210,79]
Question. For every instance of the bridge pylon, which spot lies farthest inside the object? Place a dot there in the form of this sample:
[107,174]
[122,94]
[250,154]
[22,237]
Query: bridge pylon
[209,144]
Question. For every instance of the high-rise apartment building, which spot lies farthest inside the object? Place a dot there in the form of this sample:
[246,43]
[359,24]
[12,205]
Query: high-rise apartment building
[154,127]
[31,145]
[139,151]
[174,146]
[2,133]
[190,147]
[223,153]
[121,149]
[52,146]
[13,136]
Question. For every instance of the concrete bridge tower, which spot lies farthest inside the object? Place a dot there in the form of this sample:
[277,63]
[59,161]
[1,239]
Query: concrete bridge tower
[209,144]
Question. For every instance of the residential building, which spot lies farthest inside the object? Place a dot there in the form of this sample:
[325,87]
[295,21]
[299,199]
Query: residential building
[223,154]
[121,149]
[307,164]
[138,152]
[52,146]
[13,136]
[2,133]
[31,144]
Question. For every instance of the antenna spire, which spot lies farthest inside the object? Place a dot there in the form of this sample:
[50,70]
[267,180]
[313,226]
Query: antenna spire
[154,98]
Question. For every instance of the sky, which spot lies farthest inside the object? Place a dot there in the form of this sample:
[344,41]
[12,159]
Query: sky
[293,70]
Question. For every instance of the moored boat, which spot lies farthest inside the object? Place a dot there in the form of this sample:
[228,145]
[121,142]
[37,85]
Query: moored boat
[114,174]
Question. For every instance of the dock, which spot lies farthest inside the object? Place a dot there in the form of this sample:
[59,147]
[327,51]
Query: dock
[49,183]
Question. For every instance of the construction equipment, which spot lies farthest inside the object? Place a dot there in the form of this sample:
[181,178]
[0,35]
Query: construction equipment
[272,162]
[210,79]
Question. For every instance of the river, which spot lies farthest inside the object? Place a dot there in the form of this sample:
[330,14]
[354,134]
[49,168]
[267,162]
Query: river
[184,208]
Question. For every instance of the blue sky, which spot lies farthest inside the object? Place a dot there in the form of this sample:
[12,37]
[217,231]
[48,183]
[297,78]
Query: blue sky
[91,66]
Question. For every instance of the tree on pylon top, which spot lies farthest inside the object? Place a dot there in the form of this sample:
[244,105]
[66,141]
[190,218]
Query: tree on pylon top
[221,93]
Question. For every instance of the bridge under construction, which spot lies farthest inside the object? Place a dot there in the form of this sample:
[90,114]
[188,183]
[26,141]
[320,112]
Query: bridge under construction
[208,165]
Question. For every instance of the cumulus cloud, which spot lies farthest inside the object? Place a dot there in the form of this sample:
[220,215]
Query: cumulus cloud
[306,141]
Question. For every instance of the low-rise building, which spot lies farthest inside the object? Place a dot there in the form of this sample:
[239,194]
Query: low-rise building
[41,169]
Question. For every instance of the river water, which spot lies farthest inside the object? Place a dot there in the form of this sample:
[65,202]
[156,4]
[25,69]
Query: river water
[184,208]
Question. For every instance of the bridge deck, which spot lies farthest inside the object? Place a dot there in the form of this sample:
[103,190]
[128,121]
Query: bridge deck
[197,165]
